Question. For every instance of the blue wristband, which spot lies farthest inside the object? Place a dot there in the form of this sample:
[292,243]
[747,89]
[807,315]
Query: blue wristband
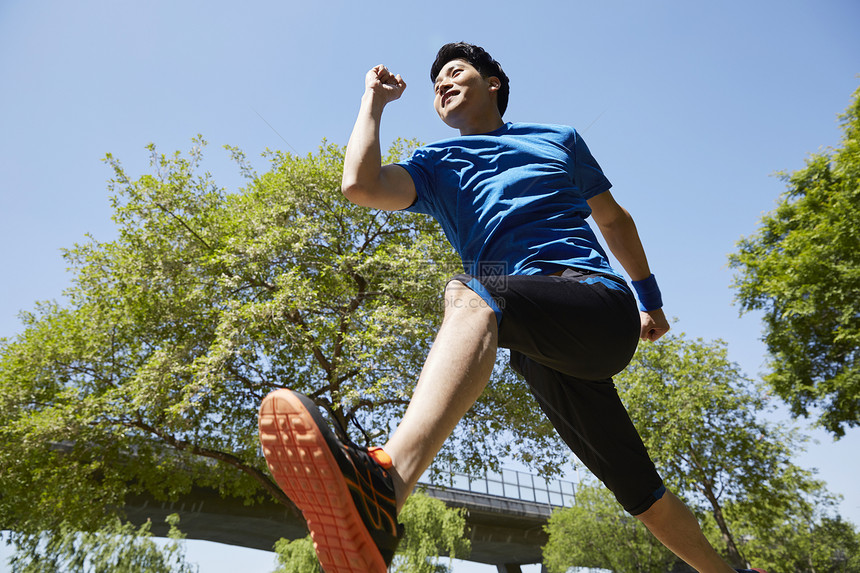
[648,294]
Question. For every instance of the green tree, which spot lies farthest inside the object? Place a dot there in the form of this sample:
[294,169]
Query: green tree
[114,548]
[597,533]
[431,529]
[802,269]
[702,422]
[806,542]
[296,556]
[149,377]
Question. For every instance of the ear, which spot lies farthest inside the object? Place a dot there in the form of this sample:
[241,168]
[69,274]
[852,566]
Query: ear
[495,83]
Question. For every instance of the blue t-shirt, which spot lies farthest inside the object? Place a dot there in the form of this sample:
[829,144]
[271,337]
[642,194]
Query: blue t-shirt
[513,201]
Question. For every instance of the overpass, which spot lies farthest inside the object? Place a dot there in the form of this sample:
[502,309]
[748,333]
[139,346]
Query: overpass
[505,514]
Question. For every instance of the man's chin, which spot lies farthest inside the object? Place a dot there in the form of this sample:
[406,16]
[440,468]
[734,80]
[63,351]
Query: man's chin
[449,120]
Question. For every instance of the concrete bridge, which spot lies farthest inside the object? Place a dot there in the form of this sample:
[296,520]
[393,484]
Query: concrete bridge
[506,513]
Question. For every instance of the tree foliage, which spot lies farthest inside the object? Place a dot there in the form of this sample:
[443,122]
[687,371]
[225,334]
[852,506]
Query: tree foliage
[149,377]
[431,529]
[114,548]
[806,542]
[597,533]
[802,269]
[701,420]
[703,424]
[296,556]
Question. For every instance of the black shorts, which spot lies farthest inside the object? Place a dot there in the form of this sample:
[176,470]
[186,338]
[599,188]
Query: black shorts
[568,335]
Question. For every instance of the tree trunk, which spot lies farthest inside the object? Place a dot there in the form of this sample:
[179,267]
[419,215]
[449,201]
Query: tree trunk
[734,554]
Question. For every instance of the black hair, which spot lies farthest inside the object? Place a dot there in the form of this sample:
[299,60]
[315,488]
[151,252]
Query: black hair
[481,60]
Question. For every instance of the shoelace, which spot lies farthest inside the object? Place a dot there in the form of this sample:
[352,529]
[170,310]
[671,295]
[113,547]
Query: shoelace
[365,453]
[340,429]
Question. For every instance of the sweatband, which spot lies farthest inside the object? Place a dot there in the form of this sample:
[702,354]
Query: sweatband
[648,294]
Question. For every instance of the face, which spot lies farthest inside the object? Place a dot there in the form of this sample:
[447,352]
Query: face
[461,93]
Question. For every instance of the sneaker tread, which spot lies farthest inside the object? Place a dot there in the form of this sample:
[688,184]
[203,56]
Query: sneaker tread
[305,469]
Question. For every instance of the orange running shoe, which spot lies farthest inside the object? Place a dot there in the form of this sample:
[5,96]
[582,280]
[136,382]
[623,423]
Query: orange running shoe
[344,492]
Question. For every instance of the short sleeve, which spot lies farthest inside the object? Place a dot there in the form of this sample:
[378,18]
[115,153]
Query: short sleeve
[421,169]
[587,174]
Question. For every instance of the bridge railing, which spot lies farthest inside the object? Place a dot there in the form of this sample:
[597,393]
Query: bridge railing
[511,484]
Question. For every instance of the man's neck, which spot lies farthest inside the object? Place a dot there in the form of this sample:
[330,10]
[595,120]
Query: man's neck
[482,125]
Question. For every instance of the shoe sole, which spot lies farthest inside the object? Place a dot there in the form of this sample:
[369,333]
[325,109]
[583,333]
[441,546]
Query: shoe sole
[305,469]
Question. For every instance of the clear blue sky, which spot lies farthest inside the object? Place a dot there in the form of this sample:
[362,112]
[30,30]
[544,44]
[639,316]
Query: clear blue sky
[689,107]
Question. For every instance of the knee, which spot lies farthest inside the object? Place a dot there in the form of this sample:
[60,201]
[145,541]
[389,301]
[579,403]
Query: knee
[651,505]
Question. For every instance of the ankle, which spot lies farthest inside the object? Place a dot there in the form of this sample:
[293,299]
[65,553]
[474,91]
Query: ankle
[402,489]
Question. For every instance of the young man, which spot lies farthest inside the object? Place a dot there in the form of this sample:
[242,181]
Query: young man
[511,197]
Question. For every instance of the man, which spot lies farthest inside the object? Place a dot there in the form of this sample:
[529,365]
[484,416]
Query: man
[512,197]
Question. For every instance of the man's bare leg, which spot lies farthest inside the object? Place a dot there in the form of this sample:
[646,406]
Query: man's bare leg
[457,370]
[670,521]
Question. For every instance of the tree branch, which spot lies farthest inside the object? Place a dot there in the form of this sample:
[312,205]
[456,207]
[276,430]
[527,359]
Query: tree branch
[184,224]
[269,485]
[296,318]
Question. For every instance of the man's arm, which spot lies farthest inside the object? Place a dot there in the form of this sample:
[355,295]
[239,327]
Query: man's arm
[366,181]
[617,227]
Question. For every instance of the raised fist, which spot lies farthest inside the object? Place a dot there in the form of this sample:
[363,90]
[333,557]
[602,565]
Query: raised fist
[383,84]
